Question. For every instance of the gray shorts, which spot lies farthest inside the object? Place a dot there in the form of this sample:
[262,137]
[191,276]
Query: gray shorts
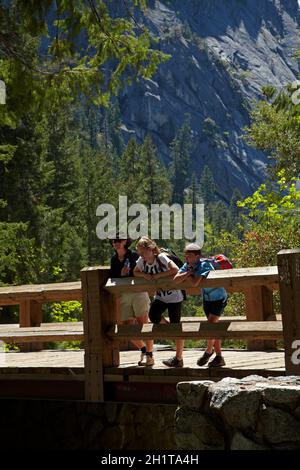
[133,305]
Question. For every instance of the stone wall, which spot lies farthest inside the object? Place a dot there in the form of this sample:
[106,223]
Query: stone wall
[64,425]
[248,414]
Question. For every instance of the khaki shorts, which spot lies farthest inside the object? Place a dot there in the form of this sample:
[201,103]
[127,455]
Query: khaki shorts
[134,305]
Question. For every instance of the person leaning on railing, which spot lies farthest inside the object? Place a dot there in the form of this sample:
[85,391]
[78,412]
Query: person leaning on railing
[133,305]
[195,269]
[153,265]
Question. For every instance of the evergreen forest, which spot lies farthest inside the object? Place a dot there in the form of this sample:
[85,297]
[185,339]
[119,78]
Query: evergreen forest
[63,153]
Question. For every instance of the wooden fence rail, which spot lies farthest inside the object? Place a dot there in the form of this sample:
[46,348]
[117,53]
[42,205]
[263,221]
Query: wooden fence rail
[101,296]
[30,299]
[101,332]
[199,330]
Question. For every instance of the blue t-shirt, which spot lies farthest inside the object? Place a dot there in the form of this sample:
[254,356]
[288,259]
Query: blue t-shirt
[202,268]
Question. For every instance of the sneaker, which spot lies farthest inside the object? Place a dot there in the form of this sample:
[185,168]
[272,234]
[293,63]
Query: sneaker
[173,362]
[204,359]
[218,361]
[142,361]
[149,361]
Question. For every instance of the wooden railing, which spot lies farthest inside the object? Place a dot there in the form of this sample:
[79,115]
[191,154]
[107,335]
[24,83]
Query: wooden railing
[31,332]
[101,332]
[100,302]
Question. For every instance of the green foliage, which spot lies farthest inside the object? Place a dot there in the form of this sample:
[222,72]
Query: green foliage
[275,128]
[155,183]
[88,52]
[98,187]
[17,254]
[142,177]
[207,186]
[272,222]
[70,311]
[56,60]
[181,160]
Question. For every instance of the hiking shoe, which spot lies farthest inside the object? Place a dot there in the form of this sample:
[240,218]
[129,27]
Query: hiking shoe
[204,359]
[218,361]
[142,361]
[173,362]
[146,360]
[149,361]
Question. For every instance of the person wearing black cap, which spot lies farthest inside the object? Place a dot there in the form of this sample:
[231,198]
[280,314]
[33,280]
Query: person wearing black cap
[133,305]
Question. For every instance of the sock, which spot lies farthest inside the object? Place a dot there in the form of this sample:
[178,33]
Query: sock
[149,354]
[143,349]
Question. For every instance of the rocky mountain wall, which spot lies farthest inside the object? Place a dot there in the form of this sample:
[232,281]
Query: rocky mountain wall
[222,53]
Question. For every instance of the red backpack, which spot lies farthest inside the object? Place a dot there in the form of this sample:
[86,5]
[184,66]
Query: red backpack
[220,262]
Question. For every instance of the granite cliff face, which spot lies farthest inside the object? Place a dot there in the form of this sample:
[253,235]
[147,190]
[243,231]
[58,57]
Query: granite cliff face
[223,52]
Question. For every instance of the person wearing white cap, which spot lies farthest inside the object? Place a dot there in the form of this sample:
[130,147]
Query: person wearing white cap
[195,269]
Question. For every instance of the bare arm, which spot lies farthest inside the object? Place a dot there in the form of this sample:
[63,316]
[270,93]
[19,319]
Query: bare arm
[181,277]
[138,273]
[188,276]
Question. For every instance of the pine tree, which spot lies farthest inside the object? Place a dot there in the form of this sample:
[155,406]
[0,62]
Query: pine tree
[114,128]
[156,187]
[130,172]
[207,186]
[99,187]
[234,217]
[181,161]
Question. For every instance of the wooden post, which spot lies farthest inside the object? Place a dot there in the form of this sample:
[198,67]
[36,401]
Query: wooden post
[99,313]
[289,287]
[30,314]
[259,307]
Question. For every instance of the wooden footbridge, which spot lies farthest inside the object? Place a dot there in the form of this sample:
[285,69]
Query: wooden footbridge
[100,372]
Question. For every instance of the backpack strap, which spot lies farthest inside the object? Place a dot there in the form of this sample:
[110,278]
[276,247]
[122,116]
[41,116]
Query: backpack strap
[160,264]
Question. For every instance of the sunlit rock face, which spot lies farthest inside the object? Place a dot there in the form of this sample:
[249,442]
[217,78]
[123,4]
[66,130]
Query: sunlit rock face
[222,54]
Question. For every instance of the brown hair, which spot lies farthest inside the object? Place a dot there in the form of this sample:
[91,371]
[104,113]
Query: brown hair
[119,236]
[145,242]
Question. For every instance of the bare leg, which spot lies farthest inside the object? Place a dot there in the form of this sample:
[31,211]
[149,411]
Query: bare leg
[213,344]
[142,321]
[179,348]
[139,344]
[179,342]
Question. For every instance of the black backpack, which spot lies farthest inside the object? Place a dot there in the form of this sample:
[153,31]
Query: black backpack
[172,255]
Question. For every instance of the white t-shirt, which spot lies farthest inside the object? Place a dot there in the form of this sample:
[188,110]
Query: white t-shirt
[167,296]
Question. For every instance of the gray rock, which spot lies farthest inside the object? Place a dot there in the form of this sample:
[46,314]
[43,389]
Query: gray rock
[296,412]
[111,411]
[196,431]
[279,427]
[238,407]
[253,379]
[286,396]
[215,73]
[240,442]
[192,394]
[227,381]
[288,380]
